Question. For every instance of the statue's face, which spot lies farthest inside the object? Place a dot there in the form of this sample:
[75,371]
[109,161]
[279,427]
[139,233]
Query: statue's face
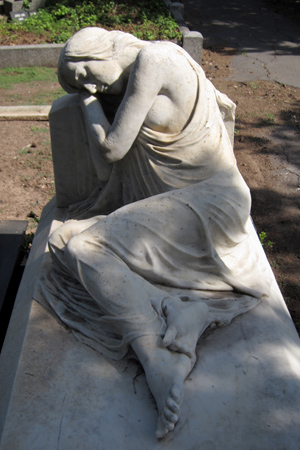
[96,76]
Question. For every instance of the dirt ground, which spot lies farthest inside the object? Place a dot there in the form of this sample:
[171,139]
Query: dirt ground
[27,181]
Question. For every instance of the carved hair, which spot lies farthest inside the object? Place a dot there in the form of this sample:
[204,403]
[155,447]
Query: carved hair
[94,44]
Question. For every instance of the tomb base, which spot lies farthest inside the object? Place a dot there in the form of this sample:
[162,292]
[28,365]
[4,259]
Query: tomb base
[58,393]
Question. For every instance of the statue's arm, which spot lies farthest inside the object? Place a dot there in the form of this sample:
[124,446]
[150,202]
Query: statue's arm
[97,123]
[114,141]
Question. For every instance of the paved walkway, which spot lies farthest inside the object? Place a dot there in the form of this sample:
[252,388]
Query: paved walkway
[269,44]
[268,49]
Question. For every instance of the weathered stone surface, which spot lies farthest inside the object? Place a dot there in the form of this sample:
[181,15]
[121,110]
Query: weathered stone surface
[18,16]
[44,55]
[193,44]
[75,175]
[24,112]
[242,394]
[36,4]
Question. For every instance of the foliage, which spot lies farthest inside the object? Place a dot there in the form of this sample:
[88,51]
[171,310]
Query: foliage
[149,20]
[27,242]
[262,238]
[26,4]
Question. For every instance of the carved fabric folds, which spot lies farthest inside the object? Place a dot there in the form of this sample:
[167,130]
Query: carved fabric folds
[186,227]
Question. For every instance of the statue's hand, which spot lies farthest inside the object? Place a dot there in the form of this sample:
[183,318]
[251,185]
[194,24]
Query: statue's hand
[86,98]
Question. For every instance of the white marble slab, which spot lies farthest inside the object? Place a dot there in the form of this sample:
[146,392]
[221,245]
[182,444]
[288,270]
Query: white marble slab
[57,393]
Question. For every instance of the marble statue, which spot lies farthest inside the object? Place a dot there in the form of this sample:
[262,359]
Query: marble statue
[162,251]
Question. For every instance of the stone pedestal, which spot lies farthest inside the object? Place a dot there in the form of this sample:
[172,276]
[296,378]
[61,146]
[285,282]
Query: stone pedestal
[58,393]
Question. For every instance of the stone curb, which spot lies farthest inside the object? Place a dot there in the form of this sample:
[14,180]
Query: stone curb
[24,112]
[192,40]
[43,55]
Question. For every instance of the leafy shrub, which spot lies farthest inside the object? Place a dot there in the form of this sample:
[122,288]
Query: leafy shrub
[149,20]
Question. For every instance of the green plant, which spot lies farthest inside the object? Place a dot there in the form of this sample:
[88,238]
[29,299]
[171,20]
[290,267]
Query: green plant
[25,150]
[26,4]
[27,242]
[253,86]
[270,118]
[34,216]
[262,237]
[274,265]
[146,19]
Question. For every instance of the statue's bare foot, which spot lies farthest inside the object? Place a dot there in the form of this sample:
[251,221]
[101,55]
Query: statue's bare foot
[165,378]
[165,373]
[186,321]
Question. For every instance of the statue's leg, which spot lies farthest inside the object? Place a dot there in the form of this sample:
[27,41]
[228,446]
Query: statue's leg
[61,236]
[119,292]
[127,300]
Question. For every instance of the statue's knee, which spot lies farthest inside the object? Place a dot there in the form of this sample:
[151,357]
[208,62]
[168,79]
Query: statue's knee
[55,241]
[74,247]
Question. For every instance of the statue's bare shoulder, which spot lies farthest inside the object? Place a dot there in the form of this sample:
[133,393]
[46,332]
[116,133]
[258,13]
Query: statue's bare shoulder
[165,69]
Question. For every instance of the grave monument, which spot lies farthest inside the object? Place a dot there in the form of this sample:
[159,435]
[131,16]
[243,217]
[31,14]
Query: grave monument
[154,263]
[17,11]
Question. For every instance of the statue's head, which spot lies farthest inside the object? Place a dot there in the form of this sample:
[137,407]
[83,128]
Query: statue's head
[89,46]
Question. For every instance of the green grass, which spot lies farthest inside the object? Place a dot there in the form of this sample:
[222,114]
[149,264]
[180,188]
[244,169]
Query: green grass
[146,19]
[38,129]
[19,75]
[47,98]
[270,118]
[25,150]
[254,86]
[28,76]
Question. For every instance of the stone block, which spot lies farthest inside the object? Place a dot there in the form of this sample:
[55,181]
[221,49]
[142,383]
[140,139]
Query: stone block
[36,4]
[193,44]
[19,16]
[75,176]
[12,5]
[177,10]
[44,55]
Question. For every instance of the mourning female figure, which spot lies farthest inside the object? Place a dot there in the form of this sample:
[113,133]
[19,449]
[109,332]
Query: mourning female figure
[172,220]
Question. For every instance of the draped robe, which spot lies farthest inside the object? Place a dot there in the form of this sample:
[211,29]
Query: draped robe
[176,211]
